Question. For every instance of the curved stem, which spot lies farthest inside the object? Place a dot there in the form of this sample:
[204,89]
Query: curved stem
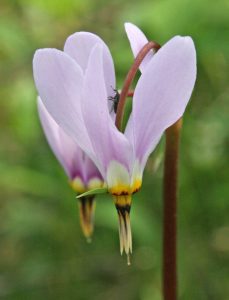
[170,211]
[129,78]
[130,93]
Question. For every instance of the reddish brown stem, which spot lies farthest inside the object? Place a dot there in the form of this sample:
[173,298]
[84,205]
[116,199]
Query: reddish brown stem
[170,211]
[129,78]
[130,93]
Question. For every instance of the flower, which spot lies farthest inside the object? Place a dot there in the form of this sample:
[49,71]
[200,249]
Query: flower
[81,171]
[77,96]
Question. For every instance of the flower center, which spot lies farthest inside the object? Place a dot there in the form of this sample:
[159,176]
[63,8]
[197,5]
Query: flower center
[121,189]
[79,186]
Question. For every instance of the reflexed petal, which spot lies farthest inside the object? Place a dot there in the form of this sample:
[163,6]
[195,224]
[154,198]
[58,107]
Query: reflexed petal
[129,130]
[67,152]
[59,82]
[108,143]
[79,46]
[91,172]
[162,93]
[137,41]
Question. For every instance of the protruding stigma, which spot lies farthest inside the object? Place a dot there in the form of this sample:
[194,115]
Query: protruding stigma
[123,206]
[86,210]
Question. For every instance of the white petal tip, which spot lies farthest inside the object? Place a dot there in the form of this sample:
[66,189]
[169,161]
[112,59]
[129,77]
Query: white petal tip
[182,39]
[44,50]
[126,24]
[129,25]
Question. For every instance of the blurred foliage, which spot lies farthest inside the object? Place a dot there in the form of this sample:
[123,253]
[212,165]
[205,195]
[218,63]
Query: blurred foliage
[42,251]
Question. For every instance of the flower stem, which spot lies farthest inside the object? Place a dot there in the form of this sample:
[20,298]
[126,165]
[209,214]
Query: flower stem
[170,211]
[129,78]
[130,93]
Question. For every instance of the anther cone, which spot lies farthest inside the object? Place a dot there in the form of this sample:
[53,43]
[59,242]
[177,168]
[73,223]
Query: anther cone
[123,206]
[86,210]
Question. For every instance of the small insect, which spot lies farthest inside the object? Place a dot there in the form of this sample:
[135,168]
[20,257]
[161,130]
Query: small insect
[115,100]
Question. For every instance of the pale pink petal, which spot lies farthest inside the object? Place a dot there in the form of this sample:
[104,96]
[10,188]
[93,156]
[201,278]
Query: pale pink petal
[90,170]
[109,144]
[51,130]
[129,130]
[137,41]
[59,82]
[70,156]
[79,46]
[162,93]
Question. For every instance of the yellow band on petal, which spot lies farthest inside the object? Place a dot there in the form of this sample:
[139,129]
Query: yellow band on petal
[136,186]
[94,183]
[121,189]
[78,185]
[119,180]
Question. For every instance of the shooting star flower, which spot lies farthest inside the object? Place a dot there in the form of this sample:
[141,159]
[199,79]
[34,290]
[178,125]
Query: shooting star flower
[76,97]
[81,171]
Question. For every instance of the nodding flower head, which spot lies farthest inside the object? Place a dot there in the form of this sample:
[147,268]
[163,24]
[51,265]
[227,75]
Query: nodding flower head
[82,173]
[75,86]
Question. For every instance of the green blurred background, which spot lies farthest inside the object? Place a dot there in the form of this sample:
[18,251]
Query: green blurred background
[42,251]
